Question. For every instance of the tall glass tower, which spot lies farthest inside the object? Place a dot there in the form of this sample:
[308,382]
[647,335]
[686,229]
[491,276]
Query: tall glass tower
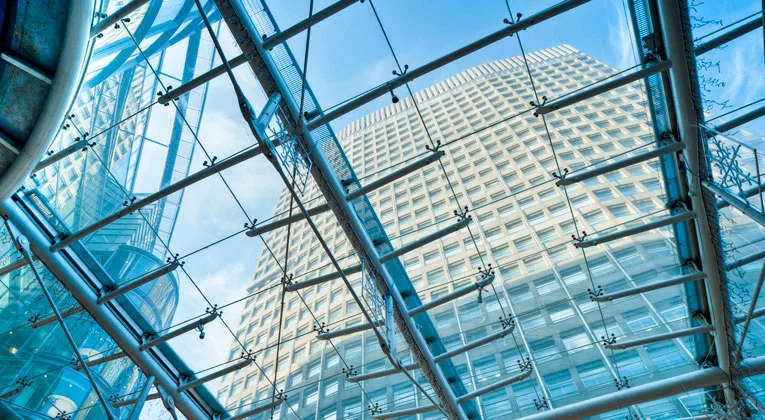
[505,172]
[105,139]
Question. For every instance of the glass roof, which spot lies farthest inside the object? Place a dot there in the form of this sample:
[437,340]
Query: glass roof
[262,208]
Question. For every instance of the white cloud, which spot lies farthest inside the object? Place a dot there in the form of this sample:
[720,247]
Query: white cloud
[620,38]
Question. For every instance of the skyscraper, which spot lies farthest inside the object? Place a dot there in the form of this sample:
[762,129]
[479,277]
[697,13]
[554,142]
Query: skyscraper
[500,162]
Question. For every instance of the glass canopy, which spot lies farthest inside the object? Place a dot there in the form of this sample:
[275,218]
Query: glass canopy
[508,209]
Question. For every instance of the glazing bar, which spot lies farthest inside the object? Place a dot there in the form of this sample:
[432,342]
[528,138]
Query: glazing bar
[656,224]
[175,333]
[648,69]
[299,27]
[412,74]
[457,293]
[137,282]
[61,154]
[292,287]
[21,262]
[729,35]
[755,314]
[477,343]
[619,164]
[201,80]
[387,179]
[740,120]
[381,373]
[170,189]
[215,375]
[12,392]
[116,16]
[742,205]
[750,312]
[651,391]
[660,337]
[748,193]
[497,385]
[135,412]
[349,330]
[425,240]
[26,67]
[51,319]
[405,412]
[101,360]
[131,401]
[257,410]
[649,287]
[268,227]
[745,260]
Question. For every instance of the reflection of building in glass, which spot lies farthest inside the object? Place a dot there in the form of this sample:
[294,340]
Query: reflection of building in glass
[113,114]
[501,163]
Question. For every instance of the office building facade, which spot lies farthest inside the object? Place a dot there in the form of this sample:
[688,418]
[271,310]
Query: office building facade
[501,166]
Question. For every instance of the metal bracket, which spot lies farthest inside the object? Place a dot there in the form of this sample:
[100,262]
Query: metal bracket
[621,384]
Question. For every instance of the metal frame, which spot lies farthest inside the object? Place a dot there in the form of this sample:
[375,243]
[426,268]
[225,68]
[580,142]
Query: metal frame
[62,268]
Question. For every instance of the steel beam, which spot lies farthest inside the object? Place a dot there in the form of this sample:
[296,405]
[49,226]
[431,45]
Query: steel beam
[61,154]
[22,243]
[397,174]
[161,338]
[752,366]
[495,386]
[348,330]
[276,224]
[115,17]
[649,287]
[27,67]
[293,287]
[673,26]
[623,345]
[425,240]
[257,410]
[13,392]
[385,88]
[626,397]
[746,259]
[381,373]
[9,143]
[268,43]
[200,80]
[405,412]
[21,262]
[729,35]
[193,383]
[51,319]
[739,203]
[151,198]
[755,314]
[648,69]
[474,344]
[137,282]
[135,412]
[101,360]
[619,164]
[655,224]
[457,293]
[131,401]
[740,120]
[750,312]
[748,193]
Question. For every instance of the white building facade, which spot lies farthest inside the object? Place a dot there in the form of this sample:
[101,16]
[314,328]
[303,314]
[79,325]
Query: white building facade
[499,163]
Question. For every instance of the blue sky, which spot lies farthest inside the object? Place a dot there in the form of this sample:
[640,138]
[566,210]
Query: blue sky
[347,56]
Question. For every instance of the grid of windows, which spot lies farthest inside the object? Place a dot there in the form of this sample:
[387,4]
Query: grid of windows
[501,168]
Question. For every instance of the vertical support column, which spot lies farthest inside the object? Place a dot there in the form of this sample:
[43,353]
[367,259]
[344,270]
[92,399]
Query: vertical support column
[676,36]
